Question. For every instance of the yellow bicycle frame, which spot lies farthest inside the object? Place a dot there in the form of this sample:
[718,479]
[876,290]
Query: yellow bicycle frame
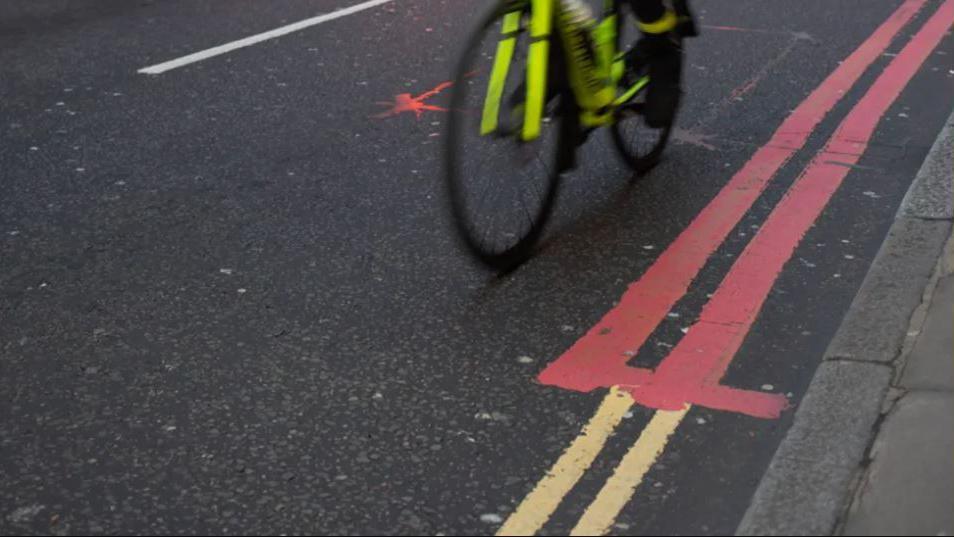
[541,24]
[593,79]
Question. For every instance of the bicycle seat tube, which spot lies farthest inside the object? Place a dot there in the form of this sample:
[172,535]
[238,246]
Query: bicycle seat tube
[588,75]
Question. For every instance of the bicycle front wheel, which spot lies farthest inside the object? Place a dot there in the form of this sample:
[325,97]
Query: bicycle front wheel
[501,188]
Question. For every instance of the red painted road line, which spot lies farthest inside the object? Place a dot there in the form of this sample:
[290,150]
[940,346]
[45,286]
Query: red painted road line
[702,357]
[740,29]
[599,358]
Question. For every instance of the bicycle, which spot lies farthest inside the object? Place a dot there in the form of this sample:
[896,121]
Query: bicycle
[566,88]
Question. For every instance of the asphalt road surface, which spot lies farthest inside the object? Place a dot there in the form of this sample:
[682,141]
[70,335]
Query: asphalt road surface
[231,301]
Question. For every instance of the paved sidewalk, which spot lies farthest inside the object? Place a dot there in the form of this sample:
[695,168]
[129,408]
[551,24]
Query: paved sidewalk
[908,488]
[871,451]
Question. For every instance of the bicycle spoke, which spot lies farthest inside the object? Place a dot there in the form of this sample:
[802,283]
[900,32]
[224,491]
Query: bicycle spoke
[502,186]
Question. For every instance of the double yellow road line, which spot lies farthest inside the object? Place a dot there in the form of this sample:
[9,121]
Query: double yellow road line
[537,508]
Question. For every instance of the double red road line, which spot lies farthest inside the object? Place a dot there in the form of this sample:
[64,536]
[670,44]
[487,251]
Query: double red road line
[692,371]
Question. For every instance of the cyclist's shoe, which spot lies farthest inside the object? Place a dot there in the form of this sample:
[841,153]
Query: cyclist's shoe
[662,54]
[686,25]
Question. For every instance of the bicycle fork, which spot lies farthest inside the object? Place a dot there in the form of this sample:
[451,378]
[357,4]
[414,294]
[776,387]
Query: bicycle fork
[591,68]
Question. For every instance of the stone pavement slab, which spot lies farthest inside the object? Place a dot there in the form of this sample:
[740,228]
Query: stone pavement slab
[909,487]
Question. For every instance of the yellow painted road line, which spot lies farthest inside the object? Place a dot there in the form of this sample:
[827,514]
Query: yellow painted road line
[540,504]
[619,489]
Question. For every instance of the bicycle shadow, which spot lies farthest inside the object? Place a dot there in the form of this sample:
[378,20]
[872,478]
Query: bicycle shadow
[585,235]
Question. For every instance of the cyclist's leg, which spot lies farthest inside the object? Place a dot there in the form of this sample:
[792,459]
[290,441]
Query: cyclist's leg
[649,12]
[661,47]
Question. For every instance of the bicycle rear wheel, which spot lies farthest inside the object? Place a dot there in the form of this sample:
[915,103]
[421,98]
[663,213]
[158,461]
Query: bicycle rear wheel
[638,144]
[501,188]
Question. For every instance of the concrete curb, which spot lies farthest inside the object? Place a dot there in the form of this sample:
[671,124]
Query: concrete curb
[808,486]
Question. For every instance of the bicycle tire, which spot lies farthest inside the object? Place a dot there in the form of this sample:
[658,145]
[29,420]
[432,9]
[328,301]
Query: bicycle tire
[640,161]
[460,182]
[629,116]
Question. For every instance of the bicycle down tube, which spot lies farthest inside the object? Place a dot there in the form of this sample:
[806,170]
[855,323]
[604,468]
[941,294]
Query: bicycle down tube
[593,66]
